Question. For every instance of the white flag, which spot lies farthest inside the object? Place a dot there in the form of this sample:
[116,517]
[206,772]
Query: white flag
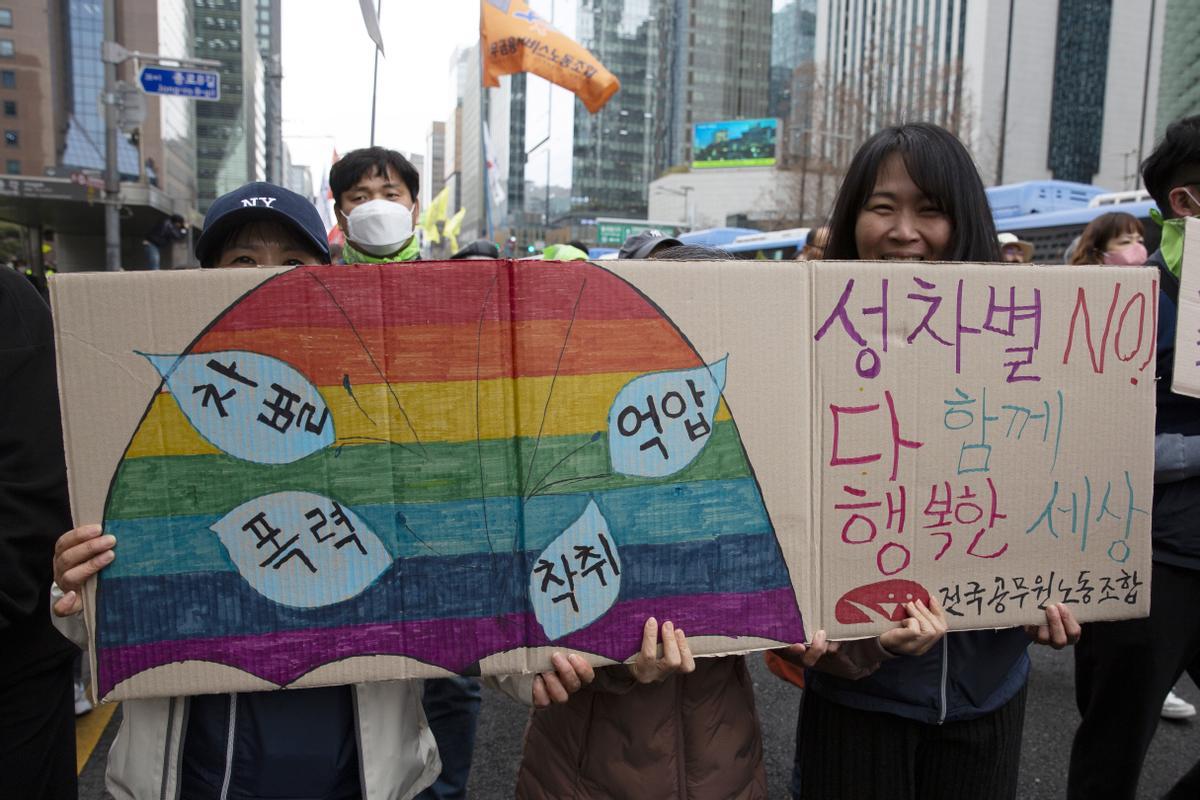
[371,20]
[496,183]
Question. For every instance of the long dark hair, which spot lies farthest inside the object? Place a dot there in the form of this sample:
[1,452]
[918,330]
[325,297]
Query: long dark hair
[941,168]
[1090,249]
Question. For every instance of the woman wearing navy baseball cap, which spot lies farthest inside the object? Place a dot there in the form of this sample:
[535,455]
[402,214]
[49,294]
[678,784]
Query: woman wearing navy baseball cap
[369,741]
[261,224]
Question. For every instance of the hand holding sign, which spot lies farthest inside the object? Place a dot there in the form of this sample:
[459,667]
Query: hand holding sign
[78,555]
[921,630]
[650,666]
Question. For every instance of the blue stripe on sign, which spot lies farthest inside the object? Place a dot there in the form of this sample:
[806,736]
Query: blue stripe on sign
[167,607]
[663,514]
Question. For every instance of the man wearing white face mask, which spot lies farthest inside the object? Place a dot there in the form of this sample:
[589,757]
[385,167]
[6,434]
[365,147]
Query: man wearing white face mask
[1123,670]
[375,194]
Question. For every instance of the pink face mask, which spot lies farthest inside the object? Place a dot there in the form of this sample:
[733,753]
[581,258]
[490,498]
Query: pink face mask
[1133,255]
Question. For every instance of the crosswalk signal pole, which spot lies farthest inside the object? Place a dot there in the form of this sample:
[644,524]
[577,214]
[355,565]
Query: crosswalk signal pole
[112,175]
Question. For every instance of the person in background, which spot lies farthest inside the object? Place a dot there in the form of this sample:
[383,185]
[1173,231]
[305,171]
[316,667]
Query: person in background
[814,244]
[1115,238]
[1014,250]
[667,725]
[368,741]
[646,244]
[1123,670]
[938,715]
[37,723]
[478,250]
[564,252]
[375,193]
[168,231]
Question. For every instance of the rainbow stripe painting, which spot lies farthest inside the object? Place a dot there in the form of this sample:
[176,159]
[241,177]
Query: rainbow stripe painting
[443,461]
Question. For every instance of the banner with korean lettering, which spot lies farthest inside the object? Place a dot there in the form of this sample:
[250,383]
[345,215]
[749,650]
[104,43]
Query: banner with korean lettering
[324,475]
[514,38]
[968,420]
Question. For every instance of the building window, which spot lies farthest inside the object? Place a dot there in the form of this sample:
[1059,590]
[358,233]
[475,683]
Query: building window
[5,17]
[6,48]
[12,166]
[11,137]
[8,79]
[10,108]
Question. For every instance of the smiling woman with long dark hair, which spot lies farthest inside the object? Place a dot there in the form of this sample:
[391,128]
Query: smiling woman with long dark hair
[944,722]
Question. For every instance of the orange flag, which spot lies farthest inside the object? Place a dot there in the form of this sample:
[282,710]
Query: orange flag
[515,39]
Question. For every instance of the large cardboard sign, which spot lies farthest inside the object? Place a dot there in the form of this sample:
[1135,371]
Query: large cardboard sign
[1185,372]
[322,475]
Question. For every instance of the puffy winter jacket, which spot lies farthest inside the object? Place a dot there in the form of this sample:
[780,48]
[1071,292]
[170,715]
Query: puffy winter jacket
[693,736]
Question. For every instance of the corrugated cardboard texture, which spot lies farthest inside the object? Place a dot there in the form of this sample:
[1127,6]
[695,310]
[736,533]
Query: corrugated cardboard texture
[1185,376]
[982,434]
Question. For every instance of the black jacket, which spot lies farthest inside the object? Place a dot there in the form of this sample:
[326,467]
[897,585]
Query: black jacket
[34,510]
[1175,519]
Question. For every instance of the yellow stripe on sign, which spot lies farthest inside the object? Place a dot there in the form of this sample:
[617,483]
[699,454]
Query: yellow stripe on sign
[443,412]
[88,730]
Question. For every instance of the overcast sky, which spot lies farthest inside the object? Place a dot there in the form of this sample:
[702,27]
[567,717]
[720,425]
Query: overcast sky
[327,63]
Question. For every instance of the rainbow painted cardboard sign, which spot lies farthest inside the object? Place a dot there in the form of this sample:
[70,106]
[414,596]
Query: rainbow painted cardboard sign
[329,474]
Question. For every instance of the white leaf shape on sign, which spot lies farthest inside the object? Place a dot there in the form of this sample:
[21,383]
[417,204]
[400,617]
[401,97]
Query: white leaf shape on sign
[251,406]
[302,549]
[660,422]
[577,578]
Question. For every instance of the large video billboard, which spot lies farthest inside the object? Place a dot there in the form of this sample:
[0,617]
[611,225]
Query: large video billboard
[735,143]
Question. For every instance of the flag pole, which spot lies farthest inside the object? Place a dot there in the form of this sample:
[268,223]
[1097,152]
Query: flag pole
[375,77]
[487,190]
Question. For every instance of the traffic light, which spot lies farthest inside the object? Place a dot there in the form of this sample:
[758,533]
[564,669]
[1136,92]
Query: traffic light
[531,249]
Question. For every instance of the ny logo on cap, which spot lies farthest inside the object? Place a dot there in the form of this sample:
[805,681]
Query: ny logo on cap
[252,202]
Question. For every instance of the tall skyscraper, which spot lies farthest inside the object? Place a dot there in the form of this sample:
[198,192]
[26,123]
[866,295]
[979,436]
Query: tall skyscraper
[793,47]
[83,81]
[1037,88]
[268,30]
[433,174]
[720,54]
[466,171]
[1179,86]
[614,149]
[231,134]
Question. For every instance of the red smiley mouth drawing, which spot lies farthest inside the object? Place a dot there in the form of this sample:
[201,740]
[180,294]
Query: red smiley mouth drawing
[879,602]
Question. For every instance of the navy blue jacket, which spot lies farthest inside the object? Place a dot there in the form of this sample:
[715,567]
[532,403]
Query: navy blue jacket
[966,675]
[1174,530]
[298,744]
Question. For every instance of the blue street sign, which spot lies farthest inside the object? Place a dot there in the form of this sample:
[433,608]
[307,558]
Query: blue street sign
[198,84]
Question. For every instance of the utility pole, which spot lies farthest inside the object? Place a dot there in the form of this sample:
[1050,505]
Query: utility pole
[112,174]
[117,110]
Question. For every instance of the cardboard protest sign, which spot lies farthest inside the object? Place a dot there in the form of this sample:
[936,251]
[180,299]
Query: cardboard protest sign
[322,475]
[1185,374]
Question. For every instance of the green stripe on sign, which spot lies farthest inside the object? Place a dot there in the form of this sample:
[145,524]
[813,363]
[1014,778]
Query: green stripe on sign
[203,485]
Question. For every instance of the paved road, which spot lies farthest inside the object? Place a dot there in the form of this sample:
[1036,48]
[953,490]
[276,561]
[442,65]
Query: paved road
[1050,721]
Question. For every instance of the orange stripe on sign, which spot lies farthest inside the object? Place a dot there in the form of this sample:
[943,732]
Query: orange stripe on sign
[421,353]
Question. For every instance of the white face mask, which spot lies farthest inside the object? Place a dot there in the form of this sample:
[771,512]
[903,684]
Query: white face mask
[379,227]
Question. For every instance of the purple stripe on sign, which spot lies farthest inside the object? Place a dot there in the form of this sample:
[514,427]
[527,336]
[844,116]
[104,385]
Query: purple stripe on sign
[456,644]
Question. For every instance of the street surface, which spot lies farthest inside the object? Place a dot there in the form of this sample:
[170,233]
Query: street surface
[1050,720]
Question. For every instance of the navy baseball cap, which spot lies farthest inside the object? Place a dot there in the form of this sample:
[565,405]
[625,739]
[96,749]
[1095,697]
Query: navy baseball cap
[642,245]
[260,202]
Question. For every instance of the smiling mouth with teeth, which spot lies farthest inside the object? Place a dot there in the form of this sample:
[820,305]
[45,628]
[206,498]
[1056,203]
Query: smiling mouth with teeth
[879,602]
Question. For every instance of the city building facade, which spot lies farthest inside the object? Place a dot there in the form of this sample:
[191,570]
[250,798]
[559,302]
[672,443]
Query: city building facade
[231,134]
[1038,89]
[51,82]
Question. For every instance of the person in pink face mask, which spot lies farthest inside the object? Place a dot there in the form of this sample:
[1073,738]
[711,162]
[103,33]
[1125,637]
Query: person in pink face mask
[1115,239]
